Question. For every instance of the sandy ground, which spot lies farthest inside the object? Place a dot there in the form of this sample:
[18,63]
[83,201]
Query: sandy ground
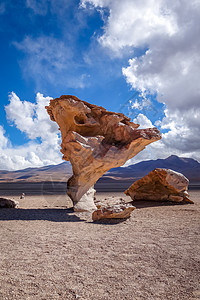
[49,252]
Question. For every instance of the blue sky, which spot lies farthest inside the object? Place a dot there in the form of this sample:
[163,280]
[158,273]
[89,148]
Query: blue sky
[137,57]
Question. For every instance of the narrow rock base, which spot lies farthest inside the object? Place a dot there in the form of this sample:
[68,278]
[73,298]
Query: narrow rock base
[86,203]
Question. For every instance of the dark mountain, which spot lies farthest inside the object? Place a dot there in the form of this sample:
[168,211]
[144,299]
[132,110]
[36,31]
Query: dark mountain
[60,172]
[187,166]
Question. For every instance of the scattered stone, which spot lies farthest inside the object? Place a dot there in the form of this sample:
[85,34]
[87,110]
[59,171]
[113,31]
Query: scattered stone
[161,185]
[111,201]
[95,140]
[118,211]
[8,203]
[22,196]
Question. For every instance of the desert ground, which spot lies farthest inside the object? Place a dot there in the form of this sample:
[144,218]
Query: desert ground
[49,252]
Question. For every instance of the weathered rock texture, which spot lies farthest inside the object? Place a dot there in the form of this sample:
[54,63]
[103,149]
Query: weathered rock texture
[118,211]
[160,185]
[8,203]
[95,140]
[86,202]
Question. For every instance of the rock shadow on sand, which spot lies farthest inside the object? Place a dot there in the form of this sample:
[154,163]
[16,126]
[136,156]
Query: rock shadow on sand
[109,221]
[47,214]
[140,204]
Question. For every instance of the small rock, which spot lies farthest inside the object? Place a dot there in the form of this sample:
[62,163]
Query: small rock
[119,211]
[8,203]
[22,196]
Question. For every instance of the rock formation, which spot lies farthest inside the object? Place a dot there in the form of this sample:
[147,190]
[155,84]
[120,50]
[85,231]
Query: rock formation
[118,211]
[160,185]
[8,203]
[94,140]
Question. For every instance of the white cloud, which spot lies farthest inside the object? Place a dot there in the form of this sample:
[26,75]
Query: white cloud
[49,61]
[44,54]
[143,121]
[173,75]
[33,120]
[183,129]
[133,23]
[3,139]
[178,140]
[166,34]
[171,65]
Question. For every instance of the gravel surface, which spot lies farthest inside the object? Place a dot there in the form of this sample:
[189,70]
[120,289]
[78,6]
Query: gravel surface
[49,252]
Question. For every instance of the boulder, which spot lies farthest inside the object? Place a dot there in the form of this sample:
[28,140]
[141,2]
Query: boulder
[8,203]
[161,185]
[95,140]
[118,211]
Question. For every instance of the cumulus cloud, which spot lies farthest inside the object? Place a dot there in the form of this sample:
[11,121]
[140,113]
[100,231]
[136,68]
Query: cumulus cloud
[179,139]
[164,36]
[184,134]
[171,63]
[34,120]
[143,121]
[133,23]
[43,147]
[3,139]
[171,73]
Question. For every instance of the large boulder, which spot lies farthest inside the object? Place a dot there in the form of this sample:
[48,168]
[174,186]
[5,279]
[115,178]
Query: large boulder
[161,185]
[95,140]
[8,203]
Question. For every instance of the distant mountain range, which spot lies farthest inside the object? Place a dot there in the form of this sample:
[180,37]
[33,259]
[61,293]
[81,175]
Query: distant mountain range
[60,172]
[187,166]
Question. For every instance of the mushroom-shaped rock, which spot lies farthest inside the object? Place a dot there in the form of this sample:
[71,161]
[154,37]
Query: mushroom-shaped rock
[160,185]
[94,140]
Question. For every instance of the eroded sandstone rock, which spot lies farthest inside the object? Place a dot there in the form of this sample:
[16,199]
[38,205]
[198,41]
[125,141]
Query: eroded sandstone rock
[86,203]
[117,211]
[95,140]
[161,185]
[8,203]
